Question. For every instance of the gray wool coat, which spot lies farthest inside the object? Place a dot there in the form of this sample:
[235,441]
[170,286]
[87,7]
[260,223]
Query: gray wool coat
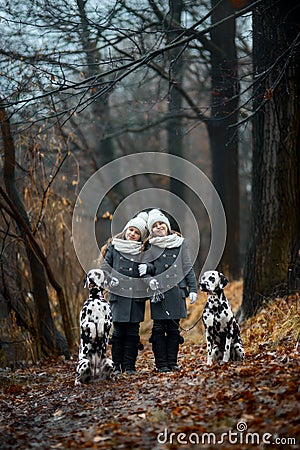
[177,273]
[126,305]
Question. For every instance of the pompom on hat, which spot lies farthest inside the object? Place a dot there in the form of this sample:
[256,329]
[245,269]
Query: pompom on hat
[155,215]
[139,222]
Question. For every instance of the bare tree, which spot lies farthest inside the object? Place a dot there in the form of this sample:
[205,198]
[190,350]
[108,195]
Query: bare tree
[223,139]
[174,124]
[272,263]
[50,339]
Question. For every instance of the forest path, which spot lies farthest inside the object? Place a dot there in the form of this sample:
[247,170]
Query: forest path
[249,403]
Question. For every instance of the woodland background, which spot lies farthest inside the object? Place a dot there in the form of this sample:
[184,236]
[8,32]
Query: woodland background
[83,83]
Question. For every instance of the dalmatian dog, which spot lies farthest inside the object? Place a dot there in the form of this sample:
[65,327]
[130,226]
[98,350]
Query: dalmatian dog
[222,330]
[95,324]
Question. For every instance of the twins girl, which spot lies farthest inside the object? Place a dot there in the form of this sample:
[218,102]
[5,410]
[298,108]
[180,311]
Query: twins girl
[150,261]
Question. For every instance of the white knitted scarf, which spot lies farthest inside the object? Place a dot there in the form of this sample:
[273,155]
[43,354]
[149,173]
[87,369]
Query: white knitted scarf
[170,241]
[124,246]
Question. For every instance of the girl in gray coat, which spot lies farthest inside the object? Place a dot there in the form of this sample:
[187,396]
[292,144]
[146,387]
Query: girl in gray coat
[121,259]
[175,278]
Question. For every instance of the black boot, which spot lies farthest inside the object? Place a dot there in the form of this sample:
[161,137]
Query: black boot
[130,353]
[159,347]
[173,340]
[117,353]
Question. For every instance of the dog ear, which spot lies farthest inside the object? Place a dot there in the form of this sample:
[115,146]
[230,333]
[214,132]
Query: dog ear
[86,282]
[223,280]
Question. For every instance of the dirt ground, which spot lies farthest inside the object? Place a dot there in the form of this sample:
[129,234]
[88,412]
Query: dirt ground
[249,405]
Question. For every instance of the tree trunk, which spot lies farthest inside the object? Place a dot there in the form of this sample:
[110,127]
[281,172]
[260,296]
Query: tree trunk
[174,125]
[102,147]
[272,262]
[50,339]
[223,140]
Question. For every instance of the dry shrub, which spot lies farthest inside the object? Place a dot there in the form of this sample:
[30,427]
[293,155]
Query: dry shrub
[275,328]
[17,345]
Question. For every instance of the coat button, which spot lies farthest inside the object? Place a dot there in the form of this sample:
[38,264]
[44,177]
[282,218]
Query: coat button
[174,256]
[166,265]
[167,276]
[168,285]
[164,255]
[175,265]
[130,269]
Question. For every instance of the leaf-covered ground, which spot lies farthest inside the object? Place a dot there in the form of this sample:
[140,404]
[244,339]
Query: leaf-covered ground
[247,405]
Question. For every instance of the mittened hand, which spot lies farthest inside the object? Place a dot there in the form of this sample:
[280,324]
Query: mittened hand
[153,284]
[142,269]
[114,282]
[192,297]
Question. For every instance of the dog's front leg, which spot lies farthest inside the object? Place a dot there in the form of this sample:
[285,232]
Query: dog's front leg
[226,355]
[100,328]
[96,358]
[208,322]
[209,348]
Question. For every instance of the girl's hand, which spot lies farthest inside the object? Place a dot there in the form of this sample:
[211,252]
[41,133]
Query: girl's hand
[153,284]
[142,268]
[114,282]
[193,297]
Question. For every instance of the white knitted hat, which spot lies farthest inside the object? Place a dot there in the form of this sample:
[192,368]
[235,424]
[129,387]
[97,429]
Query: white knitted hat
[155,215]
[139,222]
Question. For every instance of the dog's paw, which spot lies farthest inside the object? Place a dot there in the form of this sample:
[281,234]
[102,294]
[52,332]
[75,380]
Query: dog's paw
[222,362]
[106,368]
[225,360]
[83,371]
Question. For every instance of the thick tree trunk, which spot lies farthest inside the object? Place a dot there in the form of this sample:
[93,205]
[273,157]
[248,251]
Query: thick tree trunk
[272,259]
[223,140]
[50,339]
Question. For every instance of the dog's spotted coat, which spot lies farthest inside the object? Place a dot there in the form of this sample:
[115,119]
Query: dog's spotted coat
[95,324]
[222,330]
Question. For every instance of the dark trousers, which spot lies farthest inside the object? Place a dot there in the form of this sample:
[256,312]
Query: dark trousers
[165,340]
[125,343]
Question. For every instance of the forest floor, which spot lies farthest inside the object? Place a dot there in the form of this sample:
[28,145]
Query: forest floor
[249,405]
